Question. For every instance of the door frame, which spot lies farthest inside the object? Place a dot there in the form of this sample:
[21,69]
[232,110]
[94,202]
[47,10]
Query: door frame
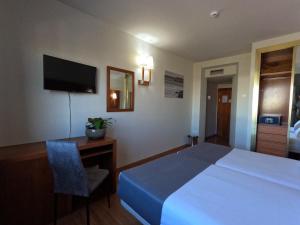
[203,98]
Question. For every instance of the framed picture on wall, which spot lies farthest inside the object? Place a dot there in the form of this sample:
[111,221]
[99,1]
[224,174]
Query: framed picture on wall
[174,85]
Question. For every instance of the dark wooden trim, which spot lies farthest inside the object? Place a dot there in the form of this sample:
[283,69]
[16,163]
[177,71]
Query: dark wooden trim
[108,108]
[211,136]
[151,158]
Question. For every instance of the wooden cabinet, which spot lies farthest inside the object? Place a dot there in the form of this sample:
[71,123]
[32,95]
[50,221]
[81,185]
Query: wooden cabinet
[276,62]
[274,98]
[272,139]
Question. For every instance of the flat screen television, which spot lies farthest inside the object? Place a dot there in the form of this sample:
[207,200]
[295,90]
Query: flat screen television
[64,75]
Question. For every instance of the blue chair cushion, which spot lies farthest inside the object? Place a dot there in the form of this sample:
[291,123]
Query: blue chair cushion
[95,177]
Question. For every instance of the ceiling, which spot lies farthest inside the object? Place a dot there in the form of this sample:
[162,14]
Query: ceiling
[185,28]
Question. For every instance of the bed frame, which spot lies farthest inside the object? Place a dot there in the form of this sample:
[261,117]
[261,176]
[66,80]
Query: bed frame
[134,213]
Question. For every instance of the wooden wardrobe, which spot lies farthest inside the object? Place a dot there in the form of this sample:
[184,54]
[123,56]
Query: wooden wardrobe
[274,98]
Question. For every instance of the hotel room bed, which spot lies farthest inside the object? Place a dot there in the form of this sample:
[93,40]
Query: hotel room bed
[220,196]
[145,188]
[153,192]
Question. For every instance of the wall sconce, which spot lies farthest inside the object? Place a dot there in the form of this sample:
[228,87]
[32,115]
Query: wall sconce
[146,62]
[114,96]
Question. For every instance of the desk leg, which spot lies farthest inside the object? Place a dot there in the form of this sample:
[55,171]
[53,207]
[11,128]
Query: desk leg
[113,168]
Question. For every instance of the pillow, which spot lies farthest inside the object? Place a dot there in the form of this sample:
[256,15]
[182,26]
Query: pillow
[297,125]
[297,133]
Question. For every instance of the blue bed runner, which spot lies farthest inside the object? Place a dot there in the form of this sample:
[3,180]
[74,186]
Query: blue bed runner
[145,188]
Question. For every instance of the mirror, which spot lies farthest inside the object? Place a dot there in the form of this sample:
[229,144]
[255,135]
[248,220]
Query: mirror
[120,90]
[294,131]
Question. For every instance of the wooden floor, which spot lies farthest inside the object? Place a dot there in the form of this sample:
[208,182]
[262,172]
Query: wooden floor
[217,140]
[100,214]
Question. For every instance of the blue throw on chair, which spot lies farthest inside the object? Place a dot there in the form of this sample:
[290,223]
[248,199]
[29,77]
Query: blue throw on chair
[70,177]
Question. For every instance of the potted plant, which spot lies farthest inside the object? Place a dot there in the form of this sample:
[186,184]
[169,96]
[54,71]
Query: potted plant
[96,127]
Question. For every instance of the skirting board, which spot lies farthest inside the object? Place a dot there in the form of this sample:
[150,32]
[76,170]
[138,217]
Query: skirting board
[134,213]
[211,136]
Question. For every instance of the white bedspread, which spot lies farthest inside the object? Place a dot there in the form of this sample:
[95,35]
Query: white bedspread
[219,196]
[276,169]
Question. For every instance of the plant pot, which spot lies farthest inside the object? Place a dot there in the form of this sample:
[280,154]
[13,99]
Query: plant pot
[95,133]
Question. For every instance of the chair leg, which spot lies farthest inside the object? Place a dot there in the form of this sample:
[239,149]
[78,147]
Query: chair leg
[88,211]
[55,209]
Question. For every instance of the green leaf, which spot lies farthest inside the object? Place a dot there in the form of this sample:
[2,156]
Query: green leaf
[99,123]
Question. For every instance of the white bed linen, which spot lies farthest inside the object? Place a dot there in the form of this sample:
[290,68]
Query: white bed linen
[276,169]
[220,196]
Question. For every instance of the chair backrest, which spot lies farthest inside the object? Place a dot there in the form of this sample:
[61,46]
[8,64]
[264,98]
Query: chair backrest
[68,172]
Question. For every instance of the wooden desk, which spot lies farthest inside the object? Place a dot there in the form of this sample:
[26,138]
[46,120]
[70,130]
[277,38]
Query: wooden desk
[26,184]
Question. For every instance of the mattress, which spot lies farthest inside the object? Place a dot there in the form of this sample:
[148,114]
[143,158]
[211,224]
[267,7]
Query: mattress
[220,196]
[279,170]
[145,188]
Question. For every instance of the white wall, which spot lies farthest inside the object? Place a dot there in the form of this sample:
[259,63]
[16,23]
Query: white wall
[211,109]
[31,28]
[253,101]
[224,85]
[242,101]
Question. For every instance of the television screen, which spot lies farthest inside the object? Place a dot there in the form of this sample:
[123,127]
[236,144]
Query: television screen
[64,75]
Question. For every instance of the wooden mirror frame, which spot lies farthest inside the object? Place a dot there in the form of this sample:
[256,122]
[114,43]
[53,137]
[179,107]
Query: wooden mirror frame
[108,106]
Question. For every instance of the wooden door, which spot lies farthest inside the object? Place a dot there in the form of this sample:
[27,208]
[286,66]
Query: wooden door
[223,114]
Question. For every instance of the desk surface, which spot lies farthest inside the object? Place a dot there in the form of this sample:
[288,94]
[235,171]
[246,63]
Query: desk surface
[36,150]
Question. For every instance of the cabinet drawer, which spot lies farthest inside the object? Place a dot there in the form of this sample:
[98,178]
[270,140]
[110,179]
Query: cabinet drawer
[275,153]
[272,148]
[272,129]
[271,145]
[274,138]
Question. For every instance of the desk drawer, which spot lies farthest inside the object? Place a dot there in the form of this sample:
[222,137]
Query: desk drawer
[274,138]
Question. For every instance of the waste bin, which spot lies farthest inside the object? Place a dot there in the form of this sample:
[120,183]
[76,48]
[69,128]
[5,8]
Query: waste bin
[193,140]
